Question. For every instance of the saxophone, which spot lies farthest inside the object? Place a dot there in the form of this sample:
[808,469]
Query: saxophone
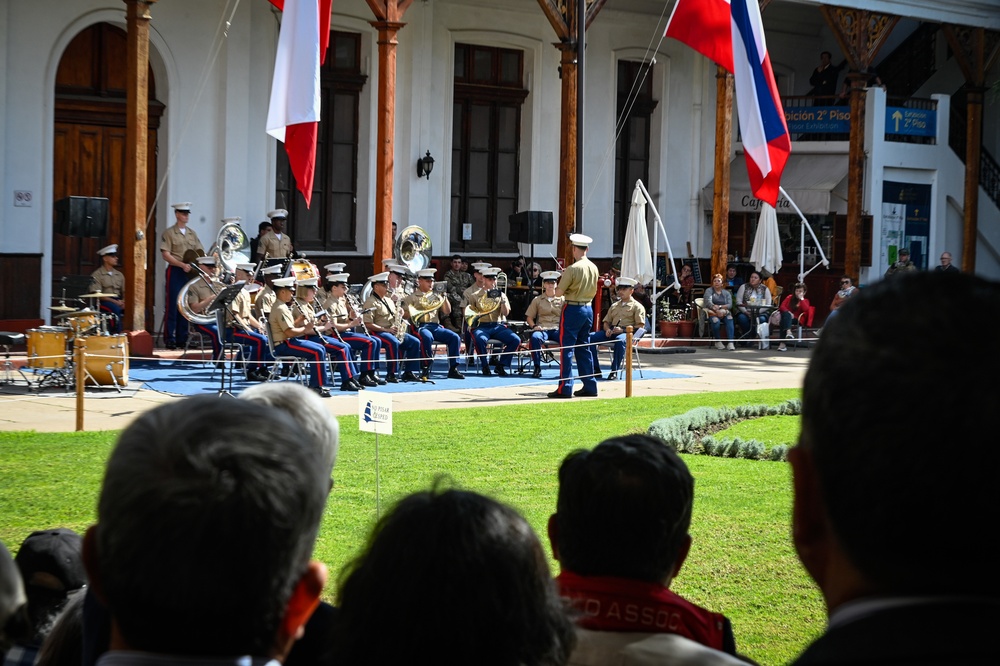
[398,321]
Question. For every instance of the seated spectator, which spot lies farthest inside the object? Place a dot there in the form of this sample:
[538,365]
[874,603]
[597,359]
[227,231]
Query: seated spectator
[902,265]
[891,528]
[472,578]
[753,300]
[679,298]
[64,644]
[847,290]
[51,566]
[767,278]
[14,624]
[718,306]
[620,534]
[207,517]
[625,312]
[794,306]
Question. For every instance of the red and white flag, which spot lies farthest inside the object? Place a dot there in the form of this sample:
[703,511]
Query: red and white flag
[730,33]
[294,112]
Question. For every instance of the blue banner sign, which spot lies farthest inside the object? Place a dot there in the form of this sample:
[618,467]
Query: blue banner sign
[829,119]
[911,122]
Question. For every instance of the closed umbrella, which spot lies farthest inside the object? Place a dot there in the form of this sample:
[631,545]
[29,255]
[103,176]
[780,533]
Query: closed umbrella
[766,252]
[637,260]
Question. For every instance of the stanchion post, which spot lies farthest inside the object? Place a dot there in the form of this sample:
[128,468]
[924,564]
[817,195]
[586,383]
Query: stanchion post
[628,361]
[78,359]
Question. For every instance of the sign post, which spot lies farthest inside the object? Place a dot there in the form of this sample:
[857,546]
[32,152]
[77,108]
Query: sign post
[375,415]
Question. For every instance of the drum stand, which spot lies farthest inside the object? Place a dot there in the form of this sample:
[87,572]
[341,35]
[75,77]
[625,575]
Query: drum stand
[7,369]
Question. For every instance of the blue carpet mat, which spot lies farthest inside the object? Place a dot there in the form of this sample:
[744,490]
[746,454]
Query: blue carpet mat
[187,378]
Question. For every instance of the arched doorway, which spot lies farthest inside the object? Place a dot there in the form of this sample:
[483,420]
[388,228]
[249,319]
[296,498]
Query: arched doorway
[89,147]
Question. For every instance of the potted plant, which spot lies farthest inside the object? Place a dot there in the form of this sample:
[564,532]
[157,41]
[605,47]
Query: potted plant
[669,320]
[686,325]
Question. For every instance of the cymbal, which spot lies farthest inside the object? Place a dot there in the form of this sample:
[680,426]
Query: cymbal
[97,294]
[62,308]
[77,313]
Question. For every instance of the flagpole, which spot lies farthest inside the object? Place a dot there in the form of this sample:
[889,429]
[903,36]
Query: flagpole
[802,240]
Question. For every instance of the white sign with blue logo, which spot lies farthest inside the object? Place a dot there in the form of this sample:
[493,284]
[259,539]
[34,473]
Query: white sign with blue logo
[375,413]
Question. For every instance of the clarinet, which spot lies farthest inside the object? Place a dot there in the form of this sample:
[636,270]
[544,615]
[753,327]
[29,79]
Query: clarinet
[354,305]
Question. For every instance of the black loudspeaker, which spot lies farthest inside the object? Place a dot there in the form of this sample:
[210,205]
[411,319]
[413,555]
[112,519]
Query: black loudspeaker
[531,226]
[82,216]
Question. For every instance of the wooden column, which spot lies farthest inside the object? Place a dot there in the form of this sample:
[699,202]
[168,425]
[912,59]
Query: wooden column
[723,148]
[386,137]
[973,48]
[567,153]
[133,240]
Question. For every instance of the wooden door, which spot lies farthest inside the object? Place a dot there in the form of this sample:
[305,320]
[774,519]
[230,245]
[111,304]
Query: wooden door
[90,148]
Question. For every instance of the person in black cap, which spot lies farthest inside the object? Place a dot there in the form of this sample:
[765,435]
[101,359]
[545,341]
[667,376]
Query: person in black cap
[51,566]
[902,265]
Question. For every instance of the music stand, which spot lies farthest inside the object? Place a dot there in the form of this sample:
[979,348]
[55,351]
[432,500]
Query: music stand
[220,306]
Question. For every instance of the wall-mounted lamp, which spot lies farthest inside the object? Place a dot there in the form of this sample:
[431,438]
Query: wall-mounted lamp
[425,165]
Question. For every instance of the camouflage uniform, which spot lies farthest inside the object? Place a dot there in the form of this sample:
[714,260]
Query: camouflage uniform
[458,282]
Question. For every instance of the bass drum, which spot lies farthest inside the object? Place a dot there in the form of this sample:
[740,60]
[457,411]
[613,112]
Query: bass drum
[47,347]
[105,360]
[303,269]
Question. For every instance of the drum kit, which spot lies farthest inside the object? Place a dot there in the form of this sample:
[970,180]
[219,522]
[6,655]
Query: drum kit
[50,349]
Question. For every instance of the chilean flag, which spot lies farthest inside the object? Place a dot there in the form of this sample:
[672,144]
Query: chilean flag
[294,111]
[730,33]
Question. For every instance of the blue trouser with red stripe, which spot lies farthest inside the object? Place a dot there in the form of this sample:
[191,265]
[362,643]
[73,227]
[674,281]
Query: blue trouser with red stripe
[175,328]
[369,346]
[574,335]
[619,350]
[314,354]
[536,343]
[409,347]
[212,331]
[257,343]
[340,353]
[428,333]
[115,320]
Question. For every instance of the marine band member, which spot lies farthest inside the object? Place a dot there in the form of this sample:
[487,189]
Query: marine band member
[382,321]
[288,335]
[346,322]
[109,280]
[174,244]
[249,331]
[276,244]
[493,325]
[429,327]
[542,316]
[579,285]
[625,312]
[339,352]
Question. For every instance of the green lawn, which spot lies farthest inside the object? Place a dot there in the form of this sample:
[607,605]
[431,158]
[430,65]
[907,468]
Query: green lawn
[741,563]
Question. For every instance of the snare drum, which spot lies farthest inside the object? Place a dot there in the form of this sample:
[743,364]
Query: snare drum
[47,347]
[106,360]
[81,324]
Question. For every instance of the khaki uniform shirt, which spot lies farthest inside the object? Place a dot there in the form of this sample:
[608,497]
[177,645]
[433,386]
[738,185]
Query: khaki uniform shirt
[242,307]
[322,299]
[338,309]
[264,302]
[383,311]
[545,311]
[627,314]
[467,294]
[494,316]
[280,320]
[579,282]
[200,290]
[414,299]
[177,243]
[108,283]
[276,248]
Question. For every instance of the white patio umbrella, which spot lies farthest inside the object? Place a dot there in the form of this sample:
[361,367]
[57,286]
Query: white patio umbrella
[766,252]
[637,260]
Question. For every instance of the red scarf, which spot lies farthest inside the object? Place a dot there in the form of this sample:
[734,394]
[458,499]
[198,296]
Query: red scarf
[620,604]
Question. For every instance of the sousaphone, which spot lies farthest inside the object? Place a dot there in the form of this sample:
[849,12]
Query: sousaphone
[231,247]
[413,250]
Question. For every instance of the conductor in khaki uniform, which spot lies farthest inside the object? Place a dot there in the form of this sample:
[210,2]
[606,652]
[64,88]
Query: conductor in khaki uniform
[174,243]
[542,316]
[579,286]
[625,312]
[276,244]
[109,280]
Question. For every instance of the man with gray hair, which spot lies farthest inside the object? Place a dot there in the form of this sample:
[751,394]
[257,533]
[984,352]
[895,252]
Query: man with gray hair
[207,519]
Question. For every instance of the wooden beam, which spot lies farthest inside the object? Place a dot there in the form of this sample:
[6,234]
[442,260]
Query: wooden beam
[556,19]
[133,240]
[386,140]
[567,153]
[723,148]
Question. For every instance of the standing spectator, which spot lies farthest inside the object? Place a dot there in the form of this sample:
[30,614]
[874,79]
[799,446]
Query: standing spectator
[902,264]
[866,500]
[51,567]
[477,580]
[824,79]
[794,306]
[847,290]
[620,534]
[177,242]
[579,286]
[207,518]
[946,265]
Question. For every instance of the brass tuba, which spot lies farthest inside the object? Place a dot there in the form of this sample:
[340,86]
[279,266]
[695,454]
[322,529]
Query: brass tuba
[413,248]
[487,302]
[231,247]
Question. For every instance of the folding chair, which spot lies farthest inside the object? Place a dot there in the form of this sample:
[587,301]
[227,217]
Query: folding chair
[297,368]
[610,347]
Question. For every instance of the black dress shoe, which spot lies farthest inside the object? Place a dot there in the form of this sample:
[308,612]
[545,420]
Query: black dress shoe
[366,380]
[257,376]
[536,373]
[502,371]
[375,378]
[583,393]
[357,385]
[557,394]
[392,379]
[425,375]
[348,386]
[322,392]
[612,376]
[170,345]
[487,372]
[455,374]
[409,377]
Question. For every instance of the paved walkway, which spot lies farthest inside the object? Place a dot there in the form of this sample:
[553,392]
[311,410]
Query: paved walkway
[707,370]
